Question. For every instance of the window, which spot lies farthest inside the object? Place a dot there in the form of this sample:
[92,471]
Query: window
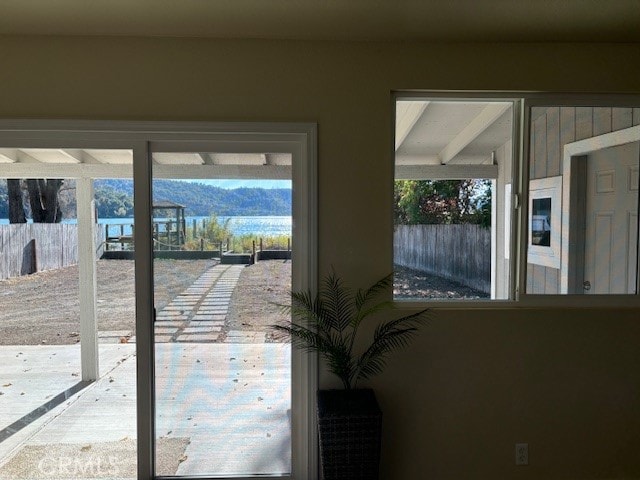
[483,212]
[583,185]
[453,176]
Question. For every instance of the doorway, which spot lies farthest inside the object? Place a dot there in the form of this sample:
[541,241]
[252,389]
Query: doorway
[600,218]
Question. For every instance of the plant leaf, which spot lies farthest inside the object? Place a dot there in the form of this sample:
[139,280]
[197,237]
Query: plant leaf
[338,301]
[364,296]
[388,337]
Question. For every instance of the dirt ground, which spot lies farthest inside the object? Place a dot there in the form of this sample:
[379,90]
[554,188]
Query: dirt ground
[43,308]
[411,284]
[254,304]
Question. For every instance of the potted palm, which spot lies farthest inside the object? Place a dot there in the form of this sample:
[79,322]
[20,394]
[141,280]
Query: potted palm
[328,323]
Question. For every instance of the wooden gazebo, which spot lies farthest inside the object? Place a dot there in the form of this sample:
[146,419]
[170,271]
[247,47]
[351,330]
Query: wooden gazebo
[169,225]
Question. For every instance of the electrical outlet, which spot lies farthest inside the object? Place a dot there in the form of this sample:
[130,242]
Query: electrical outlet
[522,454]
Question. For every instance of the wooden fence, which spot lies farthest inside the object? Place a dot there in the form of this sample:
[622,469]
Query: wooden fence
[457,252]
[33,247]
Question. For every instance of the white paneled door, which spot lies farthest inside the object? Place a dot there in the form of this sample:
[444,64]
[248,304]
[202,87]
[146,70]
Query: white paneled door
[612,220]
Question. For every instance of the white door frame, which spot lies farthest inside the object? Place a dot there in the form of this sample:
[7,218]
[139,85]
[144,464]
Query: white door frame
[574,156]
[298,139]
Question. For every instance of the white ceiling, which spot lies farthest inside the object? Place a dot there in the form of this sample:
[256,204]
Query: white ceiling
[441,133]
[106,163]
[428,20]
[450,133]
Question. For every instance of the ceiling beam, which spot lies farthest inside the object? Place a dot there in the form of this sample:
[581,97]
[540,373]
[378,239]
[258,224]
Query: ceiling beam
[81,156]
[48,155]
[407,114]
[8,155]
[468,134]
[417,160]
[24,157]
[206,158]
[445,172]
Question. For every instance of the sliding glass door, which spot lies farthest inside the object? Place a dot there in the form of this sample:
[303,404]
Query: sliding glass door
[227,231]
[222,258]
[213,392]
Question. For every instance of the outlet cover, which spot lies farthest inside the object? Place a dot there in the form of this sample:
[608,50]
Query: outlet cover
[522,454]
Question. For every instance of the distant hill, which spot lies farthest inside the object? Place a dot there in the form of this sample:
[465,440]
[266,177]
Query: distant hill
[114,198]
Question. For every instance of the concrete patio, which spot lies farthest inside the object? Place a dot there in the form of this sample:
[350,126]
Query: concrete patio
[221,409]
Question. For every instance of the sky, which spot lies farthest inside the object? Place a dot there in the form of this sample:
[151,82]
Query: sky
[229,184]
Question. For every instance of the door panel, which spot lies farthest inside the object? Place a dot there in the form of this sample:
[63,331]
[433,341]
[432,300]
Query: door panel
[223,383]
[611,220]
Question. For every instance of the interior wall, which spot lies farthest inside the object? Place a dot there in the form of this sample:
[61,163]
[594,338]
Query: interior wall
[476,381]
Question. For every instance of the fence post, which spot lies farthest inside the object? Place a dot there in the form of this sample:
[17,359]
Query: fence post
[261,246]
[201,244]
[288,244]
[254,251]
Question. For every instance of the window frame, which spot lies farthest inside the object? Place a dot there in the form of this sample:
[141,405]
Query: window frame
[595,100]
[515,210]
[523,102]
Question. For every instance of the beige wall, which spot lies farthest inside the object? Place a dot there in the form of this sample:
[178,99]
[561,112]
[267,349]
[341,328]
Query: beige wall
[476,382]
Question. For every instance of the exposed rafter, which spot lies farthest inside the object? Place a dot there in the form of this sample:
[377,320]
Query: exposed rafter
[479,124]
[8,155]
[48,155]
[113,163]
[407,114]
[206,158]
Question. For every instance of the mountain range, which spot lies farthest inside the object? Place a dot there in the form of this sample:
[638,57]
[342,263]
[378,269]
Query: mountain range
[114,198]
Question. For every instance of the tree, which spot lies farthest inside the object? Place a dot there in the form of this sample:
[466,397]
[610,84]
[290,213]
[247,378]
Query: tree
[217,232]
[43,198]
[42,195]
[16,207]
[112,203]
[442,201]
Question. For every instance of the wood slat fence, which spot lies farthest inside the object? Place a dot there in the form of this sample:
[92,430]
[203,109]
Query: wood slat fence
[457,252]
[33,247]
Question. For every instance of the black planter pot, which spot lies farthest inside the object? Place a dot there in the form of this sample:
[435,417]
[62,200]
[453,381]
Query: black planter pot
[349,426]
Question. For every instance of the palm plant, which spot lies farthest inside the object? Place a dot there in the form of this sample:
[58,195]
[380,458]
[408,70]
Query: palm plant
[328,323]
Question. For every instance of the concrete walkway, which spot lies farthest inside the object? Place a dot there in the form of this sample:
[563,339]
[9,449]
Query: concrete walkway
[198,314]
[222,408]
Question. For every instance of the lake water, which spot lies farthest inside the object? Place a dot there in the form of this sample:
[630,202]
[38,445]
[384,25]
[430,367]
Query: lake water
[265,226]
